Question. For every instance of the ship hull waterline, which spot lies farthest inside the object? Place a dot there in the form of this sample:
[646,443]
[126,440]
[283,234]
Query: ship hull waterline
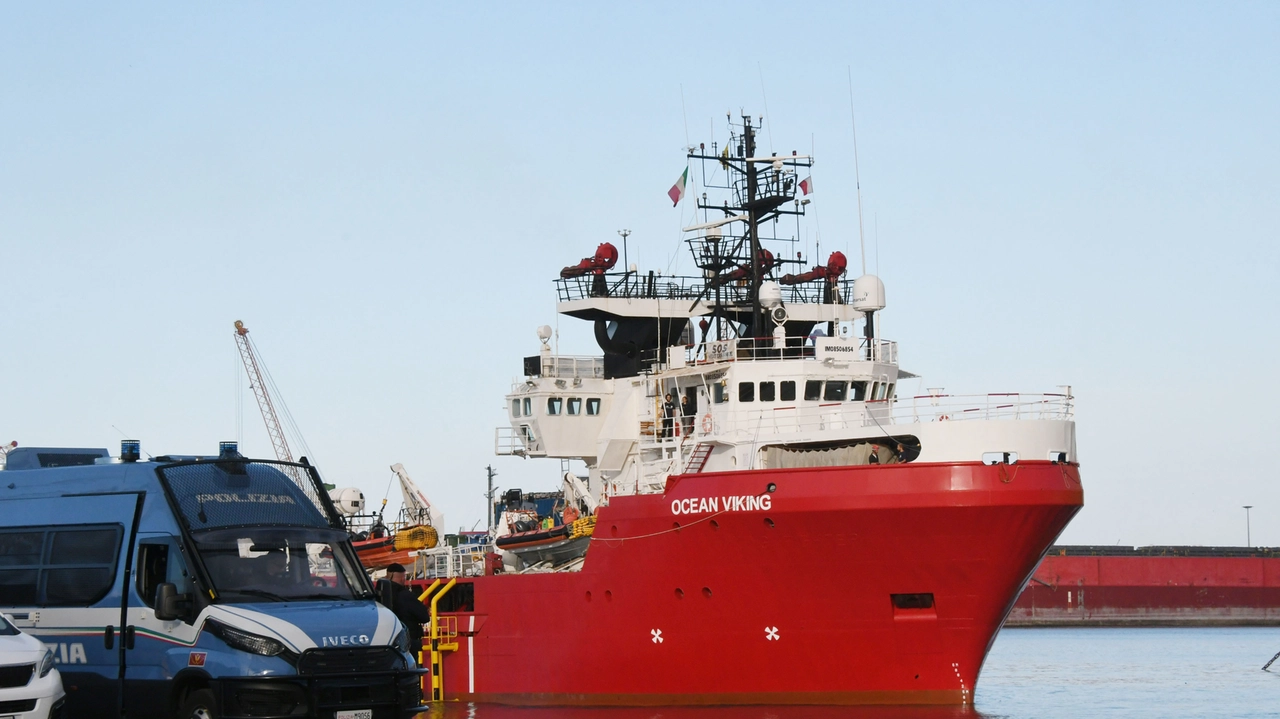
[723,591]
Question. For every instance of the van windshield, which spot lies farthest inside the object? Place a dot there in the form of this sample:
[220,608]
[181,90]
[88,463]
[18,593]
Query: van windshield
[279,564]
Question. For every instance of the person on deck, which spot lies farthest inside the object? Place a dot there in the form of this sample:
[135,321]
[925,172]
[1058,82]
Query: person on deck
[686,414]
[395,594]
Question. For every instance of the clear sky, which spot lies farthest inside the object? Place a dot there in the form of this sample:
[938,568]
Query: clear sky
[1060,193]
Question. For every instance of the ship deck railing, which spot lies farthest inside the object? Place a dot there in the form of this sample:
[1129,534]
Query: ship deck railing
[651,285]
[774,419]
[570,366]
[762,349]
[444,561]
[510,441]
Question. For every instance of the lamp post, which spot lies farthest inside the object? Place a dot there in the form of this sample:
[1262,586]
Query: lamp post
[625,267]
[1248,538]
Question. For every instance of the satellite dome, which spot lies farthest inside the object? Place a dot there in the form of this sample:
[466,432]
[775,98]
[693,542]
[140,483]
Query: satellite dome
[770,294]
[868,294]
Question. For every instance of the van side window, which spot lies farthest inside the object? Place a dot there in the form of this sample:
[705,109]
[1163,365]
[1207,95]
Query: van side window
[574,405]
[746,391]
[553,405]
[58,566]
[593,405]
[160,562]
[766,391]
[859,391]
[835,391]
[788,391]
[813,390]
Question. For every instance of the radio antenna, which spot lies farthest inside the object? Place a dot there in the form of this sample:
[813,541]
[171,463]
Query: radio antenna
[862,240]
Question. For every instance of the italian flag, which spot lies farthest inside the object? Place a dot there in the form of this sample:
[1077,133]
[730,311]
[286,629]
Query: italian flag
[676,193]
[806,185]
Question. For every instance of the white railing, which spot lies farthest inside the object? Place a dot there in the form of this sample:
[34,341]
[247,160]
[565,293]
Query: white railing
[767,421]
[466,560]
[762,350]
[998,405]
[518,442]
[572,367]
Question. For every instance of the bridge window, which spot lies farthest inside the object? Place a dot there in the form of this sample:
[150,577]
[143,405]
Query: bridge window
[515,408]
[593,406]
[788,391]
[889,393]
[574,405]
[813,390]
[528,407]
[835,391]
[553,405]
[766,391]
[746,391]
[858,391]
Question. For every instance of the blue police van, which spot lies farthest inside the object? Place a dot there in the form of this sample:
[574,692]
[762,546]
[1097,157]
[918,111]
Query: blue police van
[196,587]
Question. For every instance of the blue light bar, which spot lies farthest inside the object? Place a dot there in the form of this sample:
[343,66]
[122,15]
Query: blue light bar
[130,450]
[228,449]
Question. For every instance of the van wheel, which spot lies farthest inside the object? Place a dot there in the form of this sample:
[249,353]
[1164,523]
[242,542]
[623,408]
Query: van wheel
[198,705]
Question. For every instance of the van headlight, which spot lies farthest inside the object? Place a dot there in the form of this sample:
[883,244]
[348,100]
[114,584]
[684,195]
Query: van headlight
[244,641]
[46,663]
[401,642]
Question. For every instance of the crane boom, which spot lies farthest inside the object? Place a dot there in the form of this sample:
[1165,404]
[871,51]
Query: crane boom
[260,392]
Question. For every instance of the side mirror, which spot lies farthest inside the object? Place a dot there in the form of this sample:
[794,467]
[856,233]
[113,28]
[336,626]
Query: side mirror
[169,604]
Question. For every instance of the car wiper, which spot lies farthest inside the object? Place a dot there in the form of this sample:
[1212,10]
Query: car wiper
[259,593]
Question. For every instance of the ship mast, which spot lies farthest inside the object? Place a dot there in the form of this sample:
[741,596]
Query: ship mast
[753,219]
[759,187]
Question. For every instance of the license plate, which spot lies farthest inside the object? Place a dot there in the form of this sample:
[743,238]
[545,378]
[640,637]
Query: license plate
[354,714]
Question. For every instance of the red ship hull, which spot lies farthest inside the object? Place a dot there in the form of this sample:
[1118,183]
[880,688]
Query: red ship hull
[1214,587]
[777,597]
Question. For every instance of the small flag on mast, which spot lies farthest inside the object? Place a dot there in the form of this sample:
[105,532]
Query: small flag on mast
[676,193]
[806,185]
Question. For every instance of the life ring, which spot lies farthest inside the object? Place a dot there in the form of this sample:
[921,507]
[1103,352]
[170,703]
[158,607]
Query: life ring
[708,424]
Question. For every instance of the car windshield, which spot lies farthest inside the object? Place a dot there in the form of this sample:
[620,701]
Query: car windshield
[279,564]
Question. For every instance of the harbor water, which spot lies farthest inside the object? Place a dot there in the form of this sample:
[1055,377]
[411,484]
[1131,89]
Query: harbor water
[1041,674]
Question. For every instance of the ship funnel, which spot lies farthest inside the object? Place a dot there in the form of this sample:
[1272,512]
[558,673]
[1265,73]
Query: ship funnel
[868,294]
